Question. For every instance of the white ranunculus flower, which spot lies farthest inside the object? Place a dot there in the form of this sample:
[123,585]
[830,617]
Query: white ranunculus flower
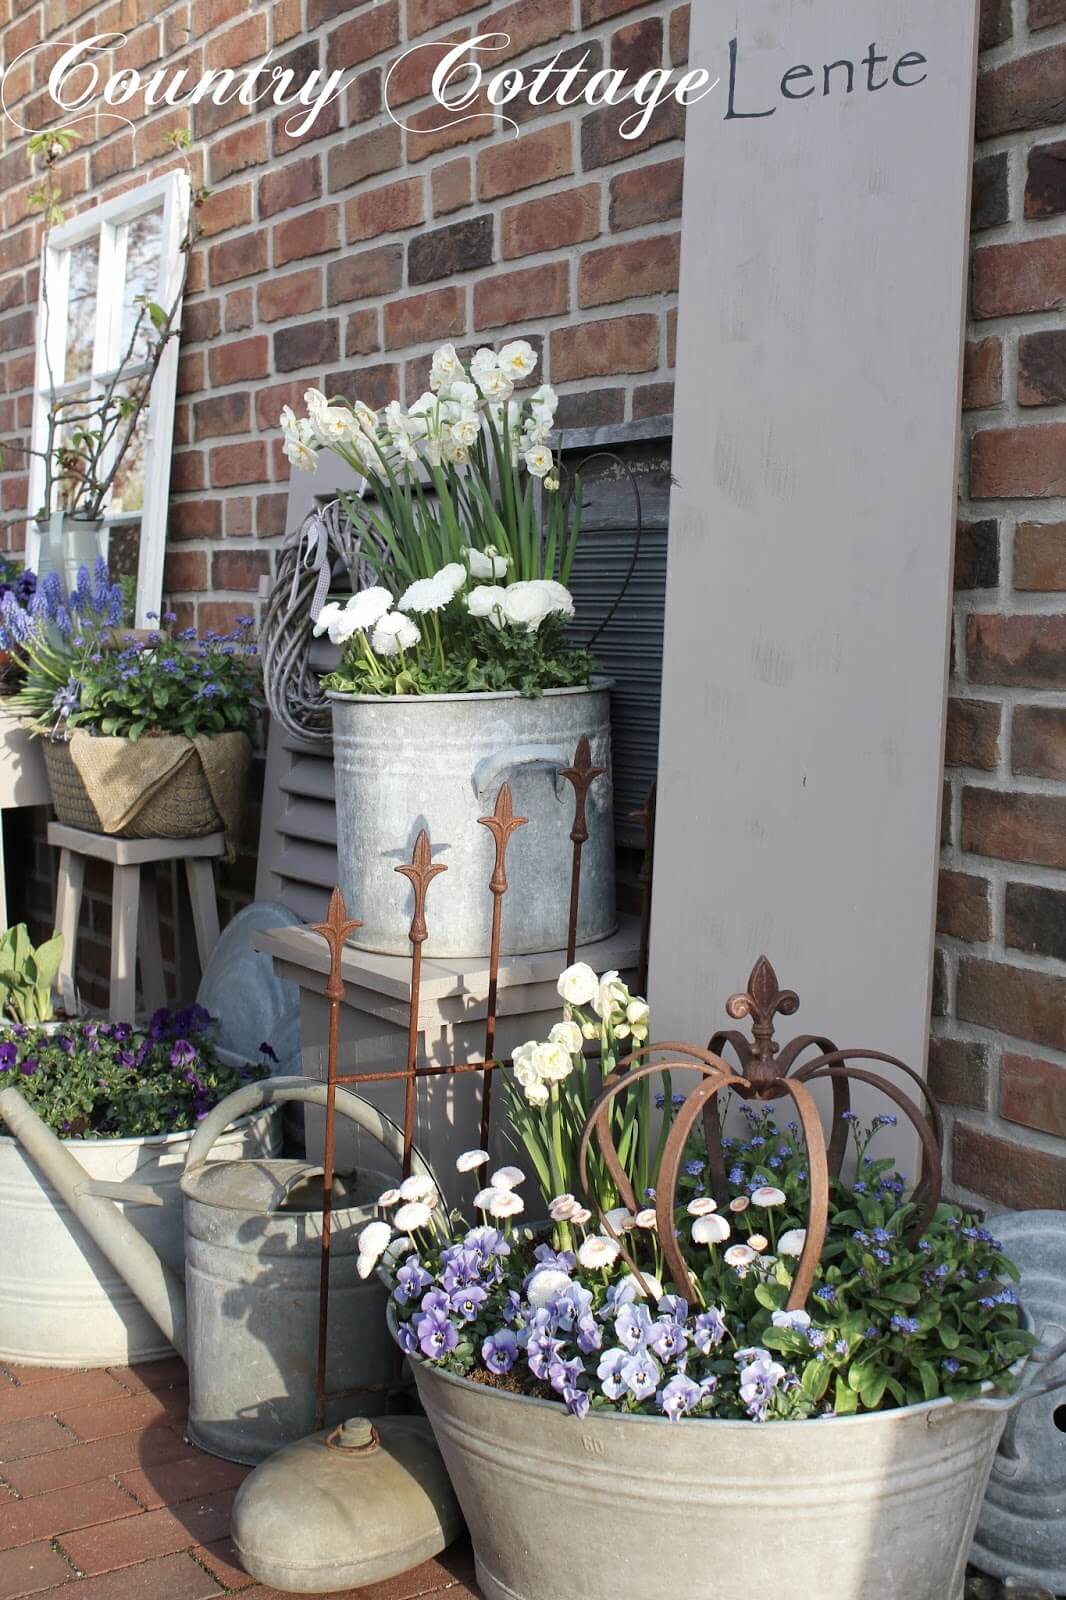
[612,997]
[394,632]
[373,1242]
[518,359]
[537,1094]
[413,1215]
[768,1196]
[289,423]
[553,1062]
[326,618]
[425,594]
[486,563]
[562,601]
[452,577]
[507,1178]
[568,1034]
[792,1242]
[562,1208]
[740,1256]
[702,1206]
[369,606]
[578,985]
[710,1229]
[621,1219]
[598,1251]
[470,1160]
[507,1204]
[545,1284]
[539,461]
[486,601]
[525,605]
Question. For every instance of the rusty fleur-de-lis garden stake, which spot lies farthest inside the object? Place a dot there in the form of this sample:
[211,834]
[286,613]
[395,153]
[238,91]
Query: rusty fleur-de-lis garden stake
[502,824]
[336,930]
[421,872]
[582,775]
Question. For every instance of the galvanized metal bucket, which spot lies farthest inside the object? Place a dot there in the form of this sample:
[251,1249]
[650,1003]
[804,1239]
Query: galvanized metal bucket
[878,1507]
[408,762]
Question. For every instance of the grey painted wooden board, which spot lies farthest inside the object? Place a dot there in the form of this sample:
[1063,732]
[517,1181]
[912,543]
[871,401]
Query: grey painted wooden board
[812,520]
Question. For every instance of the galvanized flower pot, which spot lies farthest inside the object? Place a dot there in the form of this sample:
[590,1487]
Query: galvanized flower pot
[878,1507]
[408,762]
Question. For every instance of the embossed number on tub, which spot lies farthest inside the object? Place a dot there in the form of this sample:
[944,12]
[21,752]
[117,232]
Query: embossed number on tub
[594,1447]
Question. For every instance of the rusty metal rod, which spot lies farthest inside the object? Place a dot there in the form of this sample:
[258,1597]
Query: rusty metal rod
[502,824]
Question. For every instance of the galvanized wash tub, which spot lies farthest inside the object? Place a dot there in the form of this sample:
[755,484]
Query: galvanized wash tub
[878,1507]
[408,762]
[61,1303]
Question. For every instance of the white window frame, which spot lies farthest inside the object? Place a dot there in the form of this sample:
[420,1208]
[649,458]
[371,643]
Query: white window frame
[108,222]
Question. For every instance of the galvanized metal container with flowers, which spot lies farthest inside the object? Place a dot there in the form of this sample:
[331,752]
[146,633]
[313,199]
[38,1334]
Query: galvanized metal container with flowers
[840,1347]
[455,670]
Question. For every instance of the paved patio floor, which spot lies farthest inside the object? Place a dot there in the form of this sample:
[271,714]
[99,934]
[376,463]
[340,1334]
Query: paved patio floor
[100,1496]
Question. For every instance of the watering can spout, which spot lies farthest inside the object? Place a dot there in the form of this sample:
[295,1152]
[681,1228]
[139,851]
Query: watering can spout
[159,1290]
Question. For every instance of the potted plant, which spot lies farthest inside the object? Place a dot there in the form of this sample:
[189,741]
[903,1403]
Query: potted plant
[146,734]
[455,672]
[608,1435]
[126,1102]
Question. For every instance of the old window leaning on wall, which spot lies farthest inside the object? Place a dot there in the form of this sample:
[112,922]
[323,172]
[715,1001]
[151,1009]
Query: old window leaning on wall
[96,267]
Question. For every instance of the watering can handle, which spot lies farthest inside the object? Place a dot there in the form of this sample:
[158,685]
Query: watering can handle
[277,1091]
[1033,1390]
[490,769]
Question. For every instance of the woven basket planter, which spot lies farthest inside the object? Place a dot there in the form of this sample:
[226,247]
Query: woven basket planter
[181,807]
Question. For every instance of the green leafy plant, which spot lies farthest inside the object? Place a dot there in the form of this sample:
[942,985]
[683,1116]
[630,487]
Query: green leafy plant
[28,974]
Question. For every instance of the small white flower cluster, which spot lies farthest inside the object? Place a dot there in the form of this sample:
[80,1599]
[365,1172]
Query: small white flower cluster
[536,1066]
[498,1197]
[624,1013]
[416,1199]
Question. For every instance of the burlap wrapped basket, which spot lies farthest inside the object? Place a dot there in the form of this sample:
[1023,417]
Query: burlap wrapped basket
[166,787]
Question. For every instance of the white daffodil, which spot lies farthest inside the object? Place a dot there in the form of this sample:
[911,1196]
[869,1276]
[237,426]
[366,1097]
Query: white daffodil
[464,396]
[445,368]
[537,1094]
[369,606]
[567,1034]
[612,997]
[411,1216]
[507,1204]
[598,1251]
[486,563]
[301,454]
[495,384]
[792,1242]
[470,1160]
[768,1196]
[553,1062]
[539,461]
[466,429]
[394,632]
[425,594]
[710,1229]
[484,361]
[637,1015]
[507,1178]
[486,602]
[578,985]
[562,1208]
[518,359]
[419,1187]
[702,1206]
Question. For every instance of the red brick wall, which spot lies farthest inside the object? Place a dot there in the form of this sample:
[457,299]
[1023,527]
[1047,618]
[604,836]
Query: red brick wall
[998,1057]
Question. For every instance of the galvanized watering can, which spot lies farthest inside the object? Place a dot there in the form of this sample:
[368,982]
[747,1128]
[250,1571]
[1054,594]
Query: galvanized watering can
[246,1318]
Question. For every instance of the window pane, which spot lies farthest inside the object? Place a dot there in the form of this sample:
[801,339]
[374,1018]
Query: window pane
[76,420]
[123,555]
[142,278]
[127,490]
[81,309]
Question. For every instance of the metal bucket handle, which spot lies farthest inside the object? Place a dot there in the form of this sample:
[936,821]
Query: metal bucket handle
[1029,1390]
[277,1091]
[490,769]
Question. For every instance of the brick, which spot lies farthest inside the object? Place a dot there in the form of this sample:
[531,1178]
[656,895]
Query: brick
[439,314]
[553,222]
[527,23]
[239,463]
[153,1533]
[239,569]
[977,554]
[186,471]
[1012,1174]
[176,1577]
[996,23]
[1013,1000]
[972,734]
[226,209]
[602,142]
[201,320]
[591,408]
[1023,463]
[1033,1093]
[362,333]
[1015,827]
[237,151]
[653,400]
[239,517]
[34,1437]
[365,274]
[623,271]
[1035,920]
[374,29]
[598,349]
[184,571]
[1042,368]
[295,184]
[1009,279]
[1038,741]
[1023,651]
[1046,14]
[377,386]
[442,252]
[128,1415]
[238,313]
[410,75]
[194,519]
[48,1515]
[313,233]
[34,1567]
[679,35]
[522,296]
[84,1463]
[425,14]
[239,361]
[306,346]
[388,210]
[222,414]
[982,375]
[237,258]
[646,195]
[958,1072]
[1045,180]
[41,1399]
[269,402]
[1023,94]
[593,11]
[638,47]
[963,909]
[291,296]
[543,156]
[432,130]
[364,96]
[1040,557]
[452,185]
[365,156]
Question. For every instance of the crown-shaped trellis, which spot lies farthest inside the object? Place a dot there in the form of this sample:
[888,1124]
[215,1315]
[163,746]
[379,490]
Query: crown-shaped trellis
[765,1071]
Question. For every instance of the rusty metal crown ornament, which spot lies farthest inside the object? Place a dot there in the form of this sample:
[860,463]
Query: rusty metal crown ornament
[765,1071]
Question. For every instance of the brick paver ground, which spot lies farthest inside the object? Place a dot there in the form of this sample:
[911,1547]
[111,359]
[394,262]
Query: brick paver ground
[101,1497]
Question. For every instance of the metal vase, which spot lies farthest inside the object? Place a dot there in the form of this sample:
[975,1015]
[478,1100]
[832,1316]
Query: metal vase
[877,1507]
[404,763]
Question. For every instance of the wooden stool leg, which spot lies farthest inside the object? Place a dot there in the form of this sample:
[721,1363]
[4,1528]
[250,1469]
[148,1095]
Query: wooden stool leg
[149,949]
[69,887]
[125,899]
[201,877]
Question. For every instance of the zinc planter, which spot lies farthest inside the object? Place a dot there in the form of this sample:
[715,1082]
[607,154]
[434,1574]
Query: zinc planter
[877,1507]
[61,1303]
[437,762]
